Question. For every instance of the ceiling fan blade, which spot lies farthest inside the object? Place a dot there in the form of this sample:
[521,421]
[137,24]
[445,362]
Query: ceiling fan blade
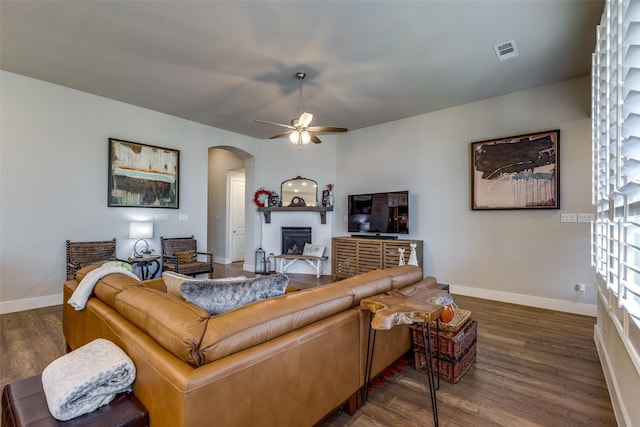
[326,129]
[314,138]
[305,119]
[280,135]
[275,124]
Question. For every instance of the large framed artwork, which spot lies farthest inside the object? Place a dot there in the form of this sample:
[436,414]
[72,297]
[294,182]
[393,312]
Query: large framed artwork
[142,175]
[518,172]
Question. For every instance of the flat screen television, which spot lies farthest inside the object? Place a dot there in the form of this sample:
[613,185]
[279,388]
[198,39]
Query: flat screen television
[379,213]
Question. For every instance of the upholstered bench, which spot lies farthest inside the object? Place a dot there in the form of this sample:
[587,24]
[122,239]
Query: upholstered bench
[24,404]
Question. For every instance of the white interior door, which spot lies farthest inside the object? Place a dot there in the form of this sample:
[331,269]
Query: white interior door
[236,203]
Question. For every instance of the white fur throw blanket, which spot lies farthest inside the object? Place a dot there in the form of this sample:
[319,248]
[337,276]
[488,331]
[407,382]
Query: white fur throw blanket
[82,293]
[86,379]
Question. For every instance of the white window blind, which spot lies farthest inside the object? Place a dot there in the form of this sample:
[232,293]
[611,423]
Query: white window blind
[616,153]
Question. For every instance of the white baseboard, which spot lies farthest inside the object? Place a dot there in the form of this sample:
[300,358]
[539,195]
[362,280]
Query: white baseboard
[619,410]
[548,303]
[221,260]
[30,303]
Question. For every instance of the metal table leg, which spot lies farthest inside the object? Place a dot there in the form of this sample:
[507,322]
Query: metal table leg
[428,352]
[371,342]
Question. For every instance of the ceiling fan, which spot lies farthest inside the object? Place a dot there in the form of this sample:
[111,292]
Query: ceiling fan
[299,131]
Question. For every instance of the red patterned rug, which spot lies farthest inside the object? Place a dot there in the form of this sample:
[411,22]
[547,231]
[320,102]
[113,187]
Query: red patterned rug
[391,372]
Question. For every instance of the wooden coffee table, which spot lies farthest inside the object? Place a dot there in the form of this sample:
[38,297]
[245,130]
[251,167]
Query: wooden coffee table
[405,308]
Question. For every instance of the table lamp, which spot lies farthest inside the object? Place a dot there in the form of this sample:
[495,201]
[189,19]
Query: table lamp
[140,230]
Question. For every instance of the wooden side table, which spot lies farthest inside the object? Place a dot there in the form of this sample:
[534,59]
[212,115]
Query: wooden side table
[144,262]
[397,308]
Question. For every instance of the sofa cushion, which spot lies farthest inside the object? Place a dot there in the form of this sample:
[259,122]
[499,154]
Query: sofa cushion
[404,275]
[367,284]
[173,323]
[257,323]
[218,296]
[428,282]
[173,280]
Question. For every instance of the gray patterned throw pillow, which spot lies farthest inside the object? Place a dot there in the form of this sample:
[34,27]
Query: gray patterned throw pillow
[217,296]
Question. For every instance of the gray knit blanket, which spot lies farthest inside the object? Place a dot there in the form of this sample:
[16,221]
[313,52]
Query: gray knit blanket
[86,379]
[82,293]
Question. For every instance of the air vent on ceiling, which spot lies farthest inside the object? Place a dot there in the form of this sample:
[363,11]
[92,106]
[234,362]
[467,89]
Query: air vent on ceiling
[506,50]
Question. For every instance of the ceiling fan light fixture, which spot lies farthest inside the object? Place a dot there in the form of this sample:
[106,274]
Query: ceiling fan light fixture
[306,138]
[294,137]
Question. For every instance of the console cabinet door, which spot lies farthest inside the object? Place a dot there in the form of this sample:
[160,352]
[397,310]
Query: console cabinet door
[352,255]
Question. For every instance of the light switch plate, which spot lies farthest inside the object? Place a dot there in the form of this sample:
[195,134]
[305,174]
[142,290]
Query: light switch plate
[586,217]
[568,217]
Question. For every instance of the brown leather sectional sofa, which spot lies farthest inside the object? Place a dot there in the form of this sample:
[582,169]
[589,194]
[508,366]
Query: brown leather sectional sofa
[286,361]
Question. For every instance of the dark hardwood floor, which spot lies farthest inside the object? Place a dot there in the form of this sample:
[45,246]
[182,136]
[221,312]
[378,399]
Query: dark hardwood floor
[534,367]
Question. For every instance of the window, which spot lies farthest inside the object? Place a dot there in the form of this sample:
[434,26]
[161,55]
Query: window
[616,163]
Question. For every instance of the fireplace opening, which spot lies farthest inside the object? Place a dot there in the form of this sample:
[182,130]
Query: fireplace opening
[294,238]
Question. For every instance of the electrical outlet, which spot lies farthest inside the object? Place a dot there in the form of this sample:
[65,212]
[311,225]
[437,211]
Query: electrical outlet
[580,287]
[183,217]
[161,217]
[568,217]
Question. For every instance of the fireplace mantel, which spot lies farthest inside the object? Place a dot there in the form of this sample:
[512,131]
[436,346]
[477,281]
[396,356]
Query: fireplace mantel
[266,210]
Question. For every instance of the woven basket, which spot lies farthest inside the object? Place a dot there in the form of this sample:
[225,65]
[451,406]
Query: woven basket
[450,345]
[448,371]
[459,318]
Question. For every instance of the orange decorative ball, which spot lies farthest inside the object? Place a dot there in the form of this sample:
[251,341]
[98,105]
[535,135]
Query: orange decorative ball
[447,314]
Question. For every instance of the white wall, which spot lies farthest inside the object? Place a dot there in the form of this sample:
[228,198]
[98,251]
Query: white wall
[521,256]
[53,179]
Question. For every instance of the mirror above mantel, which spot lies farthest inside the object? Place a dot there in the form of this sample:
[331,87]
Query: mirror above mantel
[298,192]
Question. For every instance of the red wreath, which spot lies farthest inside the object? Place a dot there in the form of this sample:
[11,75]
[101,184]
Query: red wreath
[258,194]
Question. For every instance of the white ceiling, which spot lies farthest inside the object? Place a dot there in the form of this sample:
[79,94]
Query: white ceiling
[227,63]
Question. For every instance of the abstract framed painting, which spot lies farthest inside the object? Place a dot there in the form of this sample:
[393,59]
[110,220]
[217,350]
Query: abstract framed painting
[518,172]
[142,176]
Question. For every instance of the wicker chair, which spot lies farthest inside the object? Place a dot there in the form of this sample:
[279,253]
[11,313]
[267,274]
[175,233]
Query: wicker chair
[170,261]
[81,254]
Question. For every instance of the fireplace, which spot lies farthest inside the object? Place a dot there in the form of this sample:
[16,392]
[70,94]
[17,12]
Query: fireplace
[294,238]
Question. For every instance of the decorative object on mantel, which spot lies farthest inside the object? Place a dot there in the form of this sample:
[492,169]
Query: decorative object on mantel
[303,188]
[518,172]
[298,201]
[274,200]
[413,259]
[261,197]
[327,196]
